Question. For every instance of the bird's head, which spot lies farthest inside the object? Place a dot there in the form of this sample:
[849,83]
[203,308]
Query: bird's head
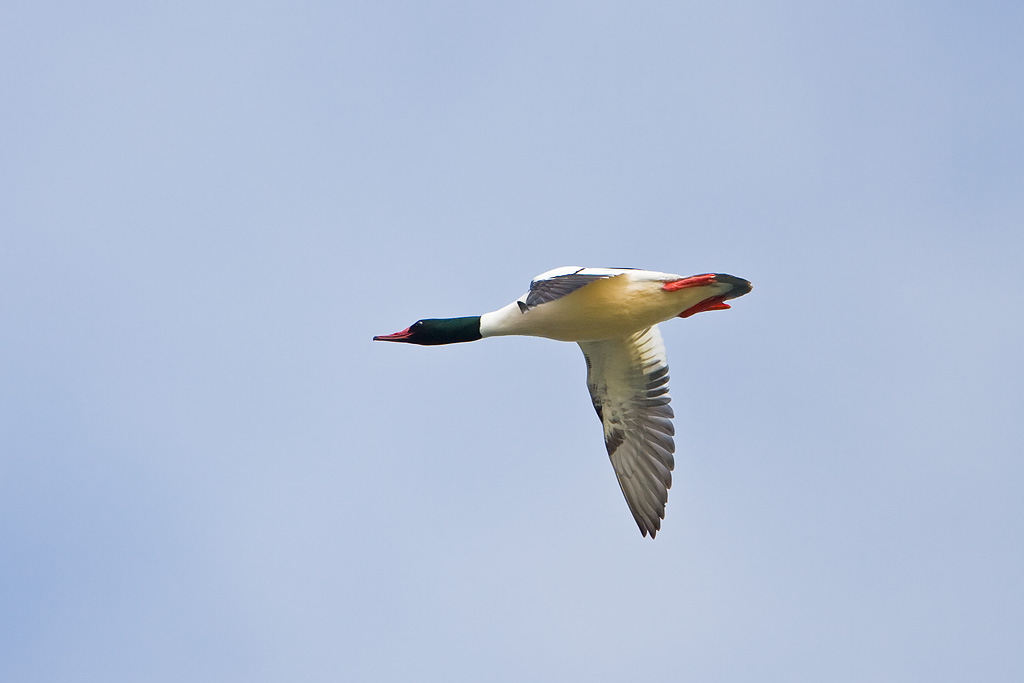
[436,331]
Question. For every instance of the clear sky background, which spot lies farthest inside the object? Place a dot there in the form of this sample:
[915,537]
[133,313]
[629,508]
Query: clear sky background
[209,472]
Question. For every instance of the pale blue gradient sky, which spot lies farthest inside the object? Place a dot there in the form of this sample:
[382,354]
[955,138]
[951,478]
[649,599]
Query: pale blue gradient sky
[208,472]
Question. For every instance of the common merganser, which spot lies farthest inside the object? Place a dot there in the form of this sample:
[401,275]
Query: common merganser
[613,314]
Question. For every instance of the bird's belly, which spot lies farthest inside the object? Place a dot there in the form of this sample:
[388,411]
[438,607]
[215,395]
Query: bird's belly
[603,310]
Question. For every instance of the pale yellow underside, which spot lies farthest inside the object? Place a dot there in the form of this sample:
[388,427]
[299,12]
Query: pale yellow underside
[604,309]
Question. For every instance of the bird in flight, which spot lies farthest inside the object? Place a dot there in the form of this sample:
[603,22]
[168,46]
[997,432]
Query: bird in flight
[613,314]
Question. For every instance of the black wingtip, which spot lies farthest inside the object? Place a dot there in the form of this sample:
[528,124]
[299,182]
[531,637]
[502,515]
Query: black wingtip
[644,530]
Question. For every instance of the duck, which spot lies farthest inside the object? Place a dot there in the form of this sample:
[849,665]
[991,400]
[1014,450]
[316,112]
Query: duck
[613,314]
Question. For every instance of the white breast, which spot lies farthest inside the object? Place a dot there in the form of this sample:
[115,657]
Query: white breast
[630,301]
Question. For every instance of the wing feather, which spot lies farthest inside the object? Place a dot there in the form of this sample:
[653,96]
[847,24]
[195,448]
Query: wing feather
[628,382]
[560,282]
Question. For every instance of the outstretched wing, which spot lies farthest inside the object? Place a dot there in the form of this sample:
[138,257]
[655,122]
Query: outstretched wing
[628,382]
[557,283]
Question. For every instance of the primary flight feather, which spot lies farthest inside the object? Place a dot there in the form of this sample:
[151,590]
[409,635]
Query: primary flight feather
[613,314]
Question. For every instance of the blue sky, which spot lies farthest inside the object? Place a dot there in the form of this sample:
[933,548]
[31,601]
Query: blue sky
[208,472]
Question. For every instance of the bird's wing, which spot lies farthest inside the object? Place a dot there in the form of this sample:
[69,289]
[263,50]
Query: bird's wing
[557,283]
[628,382]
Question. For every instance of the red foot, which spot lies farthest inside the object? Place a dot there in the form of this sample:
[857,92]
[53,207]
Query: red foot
[715,303]
[695,281]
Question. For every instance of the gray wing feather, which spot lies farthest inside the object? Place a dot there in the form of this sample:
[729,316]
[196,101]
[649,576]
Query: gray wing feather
[549,289]
[628,382]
